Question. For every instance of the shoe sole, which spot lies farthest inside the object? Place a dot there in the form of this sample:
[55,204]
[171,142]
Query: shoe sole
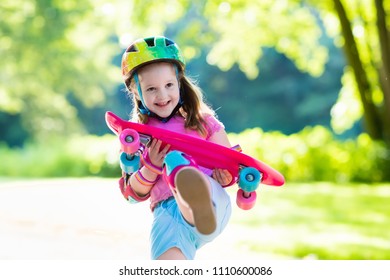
[193,188]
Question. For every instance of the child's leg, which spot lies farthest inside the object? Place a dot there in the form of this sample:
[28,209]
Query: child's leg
[173,237]
[191,189]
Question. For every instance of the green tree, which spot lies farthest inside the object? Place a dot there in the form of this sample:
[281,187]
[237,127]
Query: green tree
[362,28]
[53,51]
[238,30]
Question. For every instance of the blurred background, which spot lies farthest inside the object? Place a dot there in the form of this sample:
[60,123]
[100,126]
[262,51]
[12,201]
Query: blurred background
[302,85]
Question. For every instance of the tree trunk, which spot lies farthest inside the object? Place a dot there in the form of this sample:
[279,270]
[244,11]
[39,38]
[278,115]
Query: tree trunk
[372,120]
[384,70]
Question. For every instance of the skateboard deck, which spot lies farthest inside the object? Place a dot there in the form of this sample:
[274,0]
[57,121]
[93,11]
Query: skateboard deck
[205,153]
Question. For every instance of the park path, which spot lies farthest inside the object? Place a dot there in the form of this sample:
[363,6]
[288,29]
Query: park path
[87,219]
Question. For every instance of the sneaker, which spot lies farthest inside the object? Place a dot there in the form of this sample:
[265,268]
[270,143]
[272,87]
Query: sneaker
[193,188]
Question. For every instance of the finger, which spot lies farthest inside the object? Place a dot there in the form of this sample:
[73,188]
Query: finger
[224,173]
[166,149]
[214,175]
[157,145]
[225,176]
[228,176]
[153,143]
[218,176]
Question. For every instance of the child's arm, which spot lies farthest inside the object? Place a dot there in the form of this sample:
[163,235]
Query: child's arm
[144,179]
[220,137]
[128,192]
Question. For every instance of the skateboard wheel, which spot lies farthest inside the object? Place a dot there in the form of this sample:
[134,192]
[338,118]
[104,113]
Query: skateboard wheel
[129,139]
[129,163]
[245,203]
[249,179]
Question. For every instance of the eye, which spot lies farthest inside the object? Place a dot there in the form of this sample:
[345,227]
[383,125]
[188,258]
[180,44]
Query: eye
[169,85]
[150,89]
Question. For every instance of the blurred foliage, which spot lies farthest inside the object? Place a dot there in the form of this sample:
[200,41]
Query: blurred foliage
[60,73]
[51,51]
[237,31]
[281,98]
[70,67]
[265,98]
[78,156]
[310,155]
[362,28]
[315,155]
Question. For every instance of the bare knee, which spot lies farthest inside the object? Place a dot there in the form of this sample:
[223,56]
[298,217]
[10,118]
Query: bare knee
[172,254]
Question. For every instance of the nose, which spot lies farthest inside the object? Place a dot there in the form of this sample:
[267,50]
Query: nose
[163,93]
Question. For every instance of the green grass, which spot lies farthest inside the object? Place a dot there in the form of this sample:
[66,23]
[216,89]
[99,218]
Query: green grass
[320,220]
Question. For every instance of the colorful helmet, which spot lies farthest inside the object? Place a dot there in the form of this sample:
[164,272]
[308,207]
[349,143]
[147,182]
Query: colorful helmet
[147,50]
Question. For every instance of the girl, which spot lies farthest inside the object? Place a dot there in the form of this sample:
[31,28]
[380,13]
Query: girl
[189,203]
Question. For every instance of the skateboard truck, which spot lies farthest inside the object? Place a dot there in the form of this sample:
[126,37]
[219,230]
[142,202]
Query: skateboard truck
[145,139]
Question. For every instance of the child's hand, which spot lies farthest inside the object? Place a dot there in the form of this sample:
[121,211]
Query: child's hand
[222,176]
[156,156]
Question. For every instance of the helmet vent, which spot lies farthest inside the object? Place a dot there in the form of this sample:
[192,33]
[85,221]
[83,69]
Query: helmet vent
[168,42]
[131,49]
[150,41]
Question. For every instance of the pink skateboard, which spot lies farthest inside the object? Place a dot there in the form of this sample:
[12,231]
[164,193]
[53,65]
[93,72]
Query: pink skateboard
[247,171]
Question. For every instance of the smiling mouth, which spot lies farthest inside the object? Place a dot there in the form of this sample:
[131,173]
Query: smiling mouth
[163,104]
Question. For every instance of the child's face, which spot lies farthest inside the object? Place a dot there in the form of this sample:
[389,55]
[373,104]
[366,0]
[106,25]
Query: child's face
[160,88]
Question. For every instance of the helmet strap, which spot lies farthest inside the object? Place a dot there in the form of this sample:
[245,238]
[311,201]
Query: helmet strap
[143,109]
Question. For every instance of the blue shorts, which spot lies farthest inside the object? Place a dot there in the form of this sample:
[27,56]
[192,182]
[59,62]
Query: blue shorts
[170,229]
